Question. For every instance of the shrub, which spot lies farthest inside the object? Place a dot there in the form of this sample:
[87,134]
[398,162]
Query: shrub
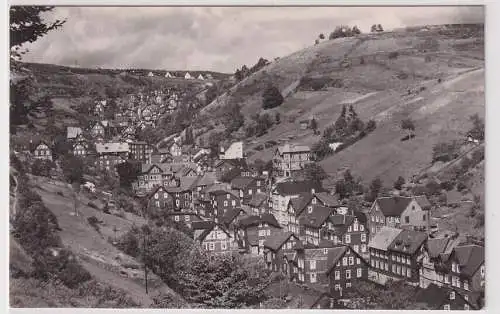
[461,186]
[60,193]
[448,185]
[393,55]
[92,205]
[259,148]
[271,98]
[94,222]
[398,184]
[428,59]
[445,151]
[433,188]
[42,167]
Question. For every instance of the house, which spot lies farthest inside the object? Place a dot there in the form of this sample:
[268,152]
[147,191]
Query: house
[214,238]
[188,76]
[283,192]
[140,151]
[99,107]
[433,253]
[334,146]
[222,200]
[42,151]
[183,193]
[246,187]
[150,74]
[168,75]
[80,149]
[395,254]
[259,204]
[441,298]
[463,269]
[111,154]
[304,124]
[160,199]
[275,249]
[200,77]
[231,218]
[233,151]
[399,211]
[228,169]
[175,149]
[252,231]
[98,130]
[290,158]
[73,133]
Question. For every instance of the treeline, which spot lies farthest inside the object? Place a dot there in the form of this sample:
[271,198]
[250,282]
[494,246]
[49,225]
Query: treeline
[240,74]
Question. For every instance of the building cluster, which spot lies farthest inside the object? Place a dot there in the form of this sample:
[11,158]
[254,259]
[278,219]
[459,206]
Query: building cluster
[299,228]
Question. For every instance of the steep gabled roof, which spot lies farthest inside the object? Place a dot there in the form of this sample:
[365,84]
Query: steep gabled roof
[223,192]
[408,241]
[241,183]
[423,201]
[327,199]
[300,202]
[230,215]
[469,257]
[207,179]
[258,199]
[334,255]
[394,205]
[436,246]
[297,187]
[436,296]
[201,234]
[318,216]
[255,220]
[383,239]
[276,241]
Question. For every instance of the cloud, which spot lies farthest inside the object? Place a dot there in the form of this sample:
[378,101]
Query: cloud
[211,38]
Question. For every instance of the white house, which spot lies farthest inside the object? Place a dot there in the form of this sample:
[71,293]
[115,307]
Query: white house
[168,75]
[151,74]
[334,146]
[200,77]
[188,76]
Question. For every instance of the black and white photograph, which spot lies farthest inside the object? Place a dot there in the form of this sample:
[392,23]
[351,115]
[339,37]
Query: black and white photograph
[247,157]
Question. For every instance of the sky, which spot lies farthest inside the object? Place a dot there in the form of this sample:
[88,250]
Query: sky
[211,38]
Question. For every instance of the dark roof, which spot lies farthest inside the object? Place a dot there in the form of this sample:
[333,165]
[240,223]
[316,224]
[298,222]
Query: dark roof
[257,199]
[276,241]
[327,199]
[436,296]
[198,225]
[241,183]
[222,192]
[257,219]
[297,187]
[469,257]
[334,255]
[436,246]
[270,219]
[240,163]
[408,241]
[318,216]
[360,216]
[299,203]
[230,215]
[201,234]
[393,206]
[423,201]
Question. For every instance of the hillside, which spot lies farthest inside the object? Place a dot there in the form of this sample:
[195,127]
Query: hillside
[435,77]
[105,263]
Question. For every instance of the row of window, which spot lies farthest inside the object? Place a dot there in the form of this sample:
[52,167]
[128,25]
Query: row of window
[263,233]
[347,285]
[211,246]
[338,274]
[381,219]
[41,152]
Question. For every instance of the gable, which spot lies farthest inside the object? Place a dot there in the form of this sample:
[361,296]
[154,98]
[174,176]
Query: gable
[412,207]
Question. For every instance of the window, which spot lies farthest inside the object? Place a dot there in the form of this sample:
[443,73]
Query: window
[347,238]
[351,260]
[313,277]
[268,232]
[359,272]
[312,264]
[205,245]
[262,233]
[466,307]
[452,295]
[309,209]
[363,237]
[397,220]
[344,261]
[176,218]
[348,274]
[186,217]
[393,268]
[408,272]
[407,219]
[233,202]
[373,218]
[466,285]
[355,227]
[337,287]
[223,245]
[372,262]
[261,243]
[446,307]
[423,217]
[258,182]
[325,251]
[386,266]
[250,192]
[348,285]
[454,267]
[225,203]
[211,246]
[337,275]
[356,248]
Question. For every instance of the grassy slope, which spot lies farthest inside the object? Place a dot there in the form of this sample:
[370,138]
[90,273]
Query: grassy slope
[104,262]
[441,111]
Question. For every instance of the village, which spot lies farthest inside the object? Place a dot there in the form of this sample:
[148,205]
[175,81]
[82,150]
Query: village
[300,229]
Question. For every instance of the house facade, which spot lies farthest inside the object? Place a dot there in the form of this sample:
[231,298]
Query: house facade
[234,151]
[215,239]
[222,200]
[140,151]
[252,231]
[290,158]
[111,154]
[42,151]
[276,250]
[80,149]
[247,187]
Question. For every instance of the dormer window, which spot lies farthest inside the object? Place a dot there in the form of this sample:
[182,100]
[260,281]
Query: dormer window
[452,295]
[309,209]
[314,200]
[313,191]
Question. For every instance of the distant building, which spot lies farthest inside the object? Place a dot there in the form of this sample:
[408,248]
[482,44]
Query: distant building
[253,231]
[441,298]
[234,151]
[188,76]
[175,149]
[80,149]
[200,77]
[290,158]
[151,74]
[42,151]
[214,238]
[168,75]
[111,154]
[73,133]
[140,151]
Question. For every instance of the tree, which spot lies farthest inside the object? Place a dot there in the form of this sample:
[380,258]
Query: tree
[321,36]
[321,149]
[398,185]
[380,28]
[128,172]
[277,118]
[316,41]
[73,169]
[271,97]
[477,130]
[211,94]
[356,30]
[314,172]
[61,147]
[42,167]
[373,29]
[313,125]
[375,188]
[409,126]
[189,137]
[370,126]
[27,25]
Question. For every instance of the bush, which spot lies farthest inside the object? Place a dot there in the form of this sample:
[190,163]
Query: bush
[461,186]
[94,222]
[428,59]
[60,193]
[433,188]
[271,98]
[448,185]
[259,148]
[92,205]
[445,151]
[393,55]
[42,167]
